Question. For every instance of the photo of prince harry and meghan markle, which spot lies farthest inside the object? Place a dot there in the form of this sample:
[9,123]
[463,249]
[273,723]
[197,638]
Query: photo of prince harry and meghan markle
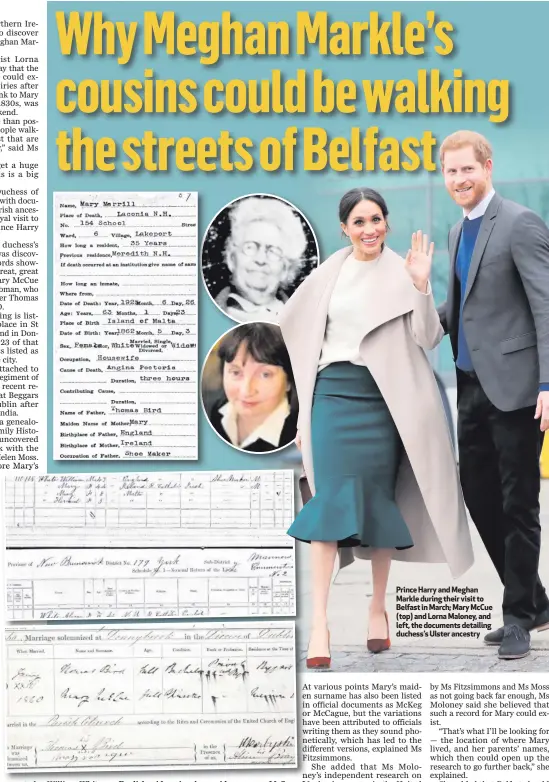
[383,479]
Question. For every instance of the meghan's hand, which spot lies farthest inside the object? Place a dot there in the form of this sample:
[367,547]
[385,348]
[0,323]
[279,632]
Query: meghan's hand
[542,410]
[419,260]
[298,441]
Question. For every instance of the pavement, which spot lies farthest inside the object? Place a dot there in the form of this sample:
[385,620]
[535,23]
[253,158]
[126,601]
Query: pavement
[418,659]
[348,613]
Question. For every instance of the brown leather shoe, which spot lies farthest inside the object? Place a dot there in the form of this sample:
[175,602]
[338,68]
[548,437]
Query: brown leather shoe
[377,645]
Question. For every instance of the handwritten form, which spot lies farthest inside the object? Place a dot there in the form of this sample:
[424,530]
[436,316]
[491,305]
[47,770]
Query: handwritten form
[149,583]
[125,326]
[239,508]
[77,545]
[107,698]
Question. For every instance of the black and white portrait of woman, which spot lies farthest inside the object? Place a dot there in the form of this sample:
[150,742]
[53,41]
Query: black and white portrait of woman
[255,253]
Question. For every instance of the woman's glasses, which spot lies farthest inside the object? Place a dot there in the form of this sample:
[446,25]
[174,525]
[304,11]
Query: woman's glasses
[251,250]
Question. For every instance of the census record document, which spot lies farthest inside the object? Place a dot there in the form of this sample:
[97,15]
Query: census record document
[148,546]
[125,326]
[179,696]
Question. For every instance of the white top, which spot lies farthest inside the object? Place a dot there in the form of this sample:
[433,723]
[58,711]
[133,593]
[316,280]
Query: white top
[270,430]
[345,325]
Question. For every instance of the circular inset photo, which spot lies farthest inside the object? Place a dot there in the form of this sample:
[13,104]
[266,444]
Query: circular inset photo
[255,253]
[248,389]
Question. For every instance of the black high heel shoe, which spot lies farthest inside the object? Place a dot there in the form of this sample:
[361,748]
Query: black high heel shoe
[377,645]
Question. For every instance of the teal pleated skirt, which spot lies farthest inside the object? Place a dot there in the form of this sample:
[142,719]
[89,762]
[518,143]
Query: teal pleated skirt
[356,453]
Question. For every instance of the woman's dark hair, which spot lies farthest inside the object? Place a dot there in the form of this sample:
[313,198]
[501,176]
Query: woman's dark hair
[357,194]
[264,343]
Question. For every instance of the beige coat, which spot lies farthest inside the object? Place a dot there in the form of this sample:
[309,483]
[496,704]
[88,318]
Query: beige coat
[400,322]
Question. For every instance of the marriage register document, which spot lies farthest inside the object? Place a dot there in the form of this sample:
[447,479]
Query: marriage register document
[173,696]
[96,546]
[125,326]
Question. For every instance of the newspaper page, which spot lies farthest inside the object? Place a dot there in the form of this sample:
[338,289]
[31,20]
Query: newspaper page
[274,356]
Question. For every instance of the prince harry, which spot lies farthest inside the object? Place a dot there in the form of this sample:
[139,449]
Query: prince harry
[497,316]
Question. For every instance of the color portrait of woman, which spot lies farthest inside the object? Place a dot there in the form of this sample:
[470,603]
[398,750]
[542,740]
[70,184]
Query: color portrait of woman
[376,449]
[248,389]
